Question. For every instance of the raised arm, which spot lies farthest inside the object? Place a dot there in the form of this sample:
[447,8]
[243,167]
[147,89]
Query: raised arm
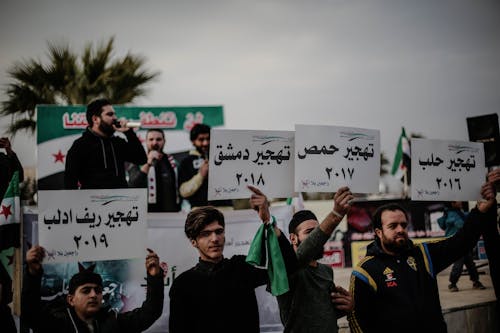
[30,296]
[141,318]
[341,206]
[442,254]
[312,246]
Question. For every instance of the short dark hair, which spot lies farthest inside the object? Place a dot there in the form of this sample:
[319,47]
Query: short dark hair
[94,108]
[197,130]
[377,216]
[199,218]
[84,276]
[156,130]
[298,218]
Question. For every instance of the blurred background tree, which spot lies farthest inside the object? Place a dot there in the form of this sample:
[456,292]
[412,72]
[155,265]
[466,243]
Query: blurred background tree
[68,78]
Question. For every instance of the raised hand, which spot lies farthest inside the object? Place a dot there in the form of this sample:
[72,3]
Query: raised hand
[259,202]
[342,201]
[152,263]
[34,258]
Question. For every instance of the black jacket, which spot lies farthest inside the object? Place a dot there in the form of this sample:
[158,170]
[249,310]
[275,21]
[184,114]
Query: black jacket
[400,293]
[166,184]
[57,316]
[97,162]
[220,297]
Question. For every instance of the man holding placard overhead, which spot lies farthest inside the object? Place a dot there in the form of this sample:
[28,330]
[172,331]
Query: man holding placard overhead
[81,310]
[394,286]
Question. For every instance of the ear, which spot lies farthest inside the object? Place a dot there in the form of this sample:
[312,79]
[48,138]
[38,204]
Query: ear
[294,239]
[94,119]
[69,299]
[378,232]
[194,243]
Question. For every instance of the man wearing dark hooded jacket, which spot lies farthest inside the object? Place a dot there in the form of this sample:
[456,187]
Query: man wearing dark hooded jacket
[96,159]
[81,311]
[394,286]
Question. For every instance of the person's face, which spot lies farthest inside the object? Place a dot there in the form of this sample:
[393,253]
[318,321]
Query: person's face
[202,143]
[86,300]
[302,232]
[155,141]
[394,234]
[456,204]
[105,121]
[210,242]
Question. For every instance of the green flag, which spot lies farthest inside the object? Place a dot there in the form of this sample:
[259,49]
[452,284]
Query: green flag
[402,157]
[275,264]
[10,215]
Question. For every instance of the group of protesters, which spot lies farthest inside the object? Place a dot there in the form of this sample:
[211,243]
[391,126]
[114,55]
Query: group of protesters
[393,289]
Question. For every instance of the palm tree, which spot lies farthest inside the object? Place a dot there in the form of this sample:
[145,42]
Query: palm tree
[68,79]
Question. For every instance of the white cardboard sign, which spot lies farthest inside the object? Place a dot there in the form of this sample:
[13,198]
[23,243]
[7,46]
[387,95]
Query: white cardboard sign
[446,170]
[329,157]
[263,159]
[89,225]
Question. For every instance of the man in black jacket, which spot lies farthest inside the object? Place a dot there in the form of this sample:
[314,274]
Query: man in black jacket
[193,171]
[96,159]
[394,286]
[218,294]
[82,310]
[158,175]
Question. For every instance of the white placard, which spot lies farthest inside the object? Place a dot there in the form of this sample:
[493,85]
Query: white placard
[88,225]
[329,157]
[446,170]
[260,158]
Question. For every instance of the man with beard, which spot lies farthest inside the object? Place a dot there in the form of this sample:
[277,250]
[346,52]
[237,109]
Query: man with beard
[96,159]
[158,175]
[394,286]
[193,171]
[314,302]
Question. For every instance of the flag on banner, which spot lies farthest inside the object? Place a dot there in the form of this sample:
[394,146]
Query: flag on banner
[402,159]
[10,215]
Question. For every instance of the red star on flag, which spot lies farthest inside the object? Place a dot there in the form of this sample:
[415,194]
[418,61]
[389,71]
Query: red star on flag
[6,211]
[59,157]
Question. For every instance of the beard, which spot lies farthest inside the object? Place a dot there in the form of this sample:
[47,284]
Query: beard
[396,246]
[203,151]
[157,148]
[106,128]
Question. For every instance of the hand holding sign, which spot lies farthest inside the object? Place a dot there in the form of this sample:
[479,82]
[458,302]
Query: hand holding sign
[342,201]
[152,263]
[488,195]
[259,202]
[34,258]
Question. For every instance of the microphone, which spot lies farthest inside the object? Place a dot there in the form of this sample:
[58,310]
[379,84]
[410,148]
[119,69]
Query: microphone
[129,124]
[133,124]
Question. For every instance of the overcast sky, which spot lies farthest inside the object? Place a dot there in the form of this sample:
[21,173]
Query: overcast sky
[423,64]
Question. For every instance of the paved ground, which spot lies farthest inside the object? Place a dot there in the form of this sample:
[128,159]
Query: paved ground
[449,300]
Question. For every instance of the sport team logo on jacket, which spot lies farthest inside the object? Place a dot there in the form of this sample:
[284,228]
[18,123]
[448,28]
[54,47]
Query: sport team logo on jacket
[390,280]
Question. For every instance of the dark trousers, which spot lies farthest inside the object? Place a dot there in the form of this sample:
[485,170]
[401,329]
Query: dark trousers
[456,270]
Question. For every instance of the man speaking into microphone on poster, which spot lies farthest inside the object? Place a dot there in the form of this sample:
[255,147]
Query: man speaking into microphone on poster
[158,175]
[96,159]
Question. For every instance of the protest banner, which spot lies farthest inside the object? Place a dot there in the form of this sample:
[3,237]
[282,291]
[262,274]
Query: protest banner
[329,157]
[446,170]
[81,225]
[58,126]
[241,157]
[124,280]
